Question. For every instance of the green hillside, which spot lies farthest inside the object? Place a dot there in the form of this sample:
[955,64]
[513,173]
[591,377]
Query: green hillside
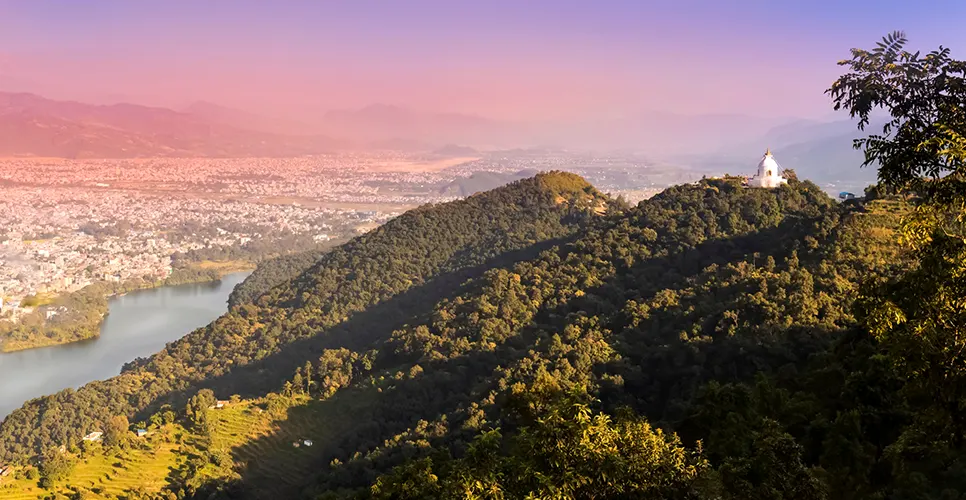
[271,273]
[451,320]
[701,283]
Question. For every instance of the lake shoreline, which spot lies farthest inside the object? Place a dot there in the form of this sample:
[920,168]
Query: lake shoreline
[89,327]
[140,324]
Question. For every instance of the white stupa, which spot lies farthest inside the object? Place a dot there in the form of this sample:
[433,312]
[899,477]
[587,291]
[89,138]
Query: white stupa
[768,175]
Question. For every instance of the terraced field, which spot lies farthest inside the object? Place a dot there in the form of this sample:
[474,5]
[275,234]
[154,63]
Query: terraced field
[258,443]
[238,423]
[104,476]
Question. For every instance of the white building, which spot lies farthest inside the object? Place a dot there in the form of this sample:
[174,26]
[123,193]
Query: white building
[94,436]
[768,175]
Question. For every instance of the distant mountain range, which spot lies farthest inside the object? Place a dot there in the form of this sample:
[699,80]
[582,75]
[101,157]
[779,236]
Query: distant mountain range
[31,125]
[223,115]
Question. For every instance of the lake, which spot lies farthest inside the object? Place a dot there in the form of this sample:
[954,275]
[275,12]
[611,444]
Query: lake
[138,324]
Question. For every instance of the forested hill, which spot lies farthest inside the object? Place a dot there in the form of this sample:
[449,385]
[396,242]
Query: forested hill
[712,283]
[454,320]
[425,253]
[431,240]
[480,228]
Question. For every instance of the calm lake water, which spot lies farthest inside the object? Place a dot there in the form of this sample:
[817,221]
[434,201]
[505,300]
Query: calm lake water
[139,324]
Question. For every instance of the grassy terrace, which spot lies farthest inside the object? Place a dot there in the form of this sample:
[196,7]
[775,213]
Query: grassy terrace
[105,474]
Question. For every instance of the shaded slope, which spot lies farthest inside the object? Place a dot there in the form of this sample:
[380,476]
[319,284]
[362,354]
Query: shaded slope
[271,273]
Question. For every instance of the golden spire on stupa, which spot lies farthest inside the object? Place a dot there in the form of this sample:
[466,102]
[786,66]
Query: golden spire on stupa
[767,151]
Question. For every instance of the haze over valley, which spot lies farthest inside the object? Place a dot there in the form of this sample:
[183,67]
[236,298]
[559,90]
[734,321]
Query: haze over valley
[39,127]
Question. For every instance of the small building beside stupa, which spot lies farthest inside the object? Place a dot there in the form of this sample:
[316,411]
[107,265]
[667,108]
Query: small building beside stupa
[769,173]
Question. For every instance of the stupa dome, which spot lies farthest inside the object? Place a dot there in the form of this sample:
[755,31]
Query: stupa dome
[768,166]
[768,175]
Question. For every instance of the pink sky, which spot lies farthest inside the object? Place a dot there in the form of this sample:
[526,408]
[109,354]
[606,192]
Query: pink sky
[517,60]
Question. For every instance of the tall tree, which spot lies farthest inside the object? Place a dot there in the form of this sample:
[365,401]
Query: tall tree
[920,318]
[922,147]
[116,431]
[54,466]
[197,407]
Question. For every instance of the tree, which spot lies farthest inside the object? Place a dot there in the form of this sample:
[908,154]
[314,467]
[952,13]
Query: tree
[275,404]
[168,416]
[919,318]
[922,148]
[116,431]
[298,385]
[412,480]
[307,370]
[773,469]
[55,466]
[197,408]
[878,191]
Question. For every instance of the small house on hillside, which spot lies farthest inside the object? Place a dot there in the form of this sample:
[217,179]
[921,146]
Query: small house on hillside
[94,436]
[221,403]
[142,432]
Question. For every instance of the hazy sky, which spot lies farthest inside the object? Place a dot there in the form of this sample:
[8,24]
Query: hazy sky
[505,59]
